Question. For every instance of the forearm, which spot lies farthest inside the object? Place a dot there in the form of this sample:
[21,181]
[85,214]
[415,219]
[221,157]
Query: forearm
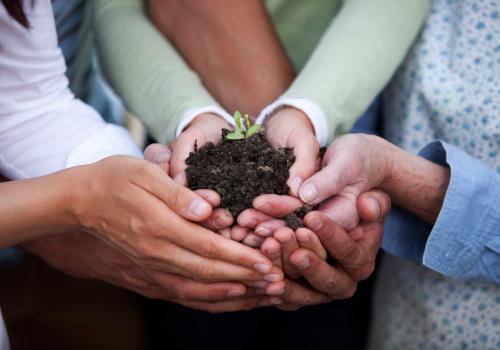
[357,56]
[414,183]
[147,72]
[34,208]
[232,46]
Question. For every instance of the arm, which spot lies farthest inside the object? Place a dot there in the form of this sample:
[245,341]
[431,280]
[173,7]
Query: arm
[454,226]
[356,57]
[232,45]
[153,80]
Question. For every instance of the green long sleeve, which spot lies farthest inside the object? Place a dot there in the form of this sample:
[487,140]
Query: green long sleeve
[356,57]
[146,71]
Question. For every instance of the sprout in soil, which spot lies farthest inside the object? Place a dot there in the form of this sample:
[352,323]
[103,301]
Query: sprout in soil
[243,131]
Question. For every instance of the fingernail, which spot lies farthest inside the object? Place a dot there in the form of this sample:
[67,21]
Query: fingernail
[262,206]
[262,268]
[249,223]
[232,293]
[295,183]
[222,221]
[308,192]
[273,277]
[198,207]
[259,284]
[180,178]
[163,156]
[263,231]
[303,239]
[315,223]
[303,263]
[374,206]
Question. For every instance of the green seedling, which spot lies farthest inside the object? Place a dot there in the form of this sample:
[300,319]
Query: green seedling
[243,131]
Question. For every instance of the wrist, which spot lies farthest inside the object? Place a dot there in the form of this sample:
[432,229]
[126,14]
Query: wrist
[287,114]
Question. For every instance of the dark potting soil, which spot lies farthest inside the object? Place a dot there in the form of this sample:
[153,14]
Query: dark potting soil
[294,220]
[240,170]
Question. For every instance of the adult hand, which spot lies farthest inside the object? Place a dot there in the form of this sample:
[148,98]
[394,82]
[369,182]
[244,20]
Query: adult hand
[288,294]
[353,164]
[354,252]
[84,256]
[203,129]
[290,127]
[219,219]
[135,207]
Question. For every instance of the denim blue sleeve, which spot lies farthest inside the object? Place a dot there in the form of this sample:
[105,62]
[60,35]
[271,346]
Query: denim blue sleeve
[465,240]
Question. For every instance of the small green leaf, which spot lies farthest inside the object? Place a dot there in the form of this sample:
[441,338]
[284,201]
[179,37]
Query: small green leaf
[253,129]
[237,119]
[247,121]
[235,135]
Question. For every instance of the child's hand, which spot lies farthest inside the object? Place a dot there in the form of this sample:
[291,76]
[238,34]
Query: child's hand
[290,127]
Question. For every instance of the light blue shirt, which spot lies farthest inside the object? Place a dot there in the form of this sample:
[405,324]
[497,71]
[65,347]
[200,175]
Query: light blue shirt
[465,240]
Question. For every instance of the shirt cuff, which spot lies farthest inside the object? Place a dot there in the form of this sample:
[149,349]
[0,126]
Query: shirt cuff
[310,109]
[192,113]
[463,242]
[108,141]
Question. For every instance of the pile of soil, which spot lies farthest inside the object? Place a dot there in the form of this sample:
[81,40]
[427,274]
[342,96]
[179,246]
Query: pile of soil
[240,170]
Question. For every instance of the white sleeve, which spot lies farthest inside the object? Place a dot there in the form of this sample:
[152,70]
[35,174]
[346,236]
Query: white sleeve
[54,140]
[310,109]
[192,113]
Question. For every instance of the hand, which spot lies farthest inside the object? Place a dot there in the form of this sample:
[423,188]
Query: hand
[220,219]
[203,129]
[135,207]
[288,295]
[353,164]
[290,127]
[84,256]
[354,252]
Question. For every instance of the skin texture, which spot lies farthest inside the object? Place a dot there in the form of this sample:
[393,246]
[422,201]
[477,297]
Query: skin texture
[233,47]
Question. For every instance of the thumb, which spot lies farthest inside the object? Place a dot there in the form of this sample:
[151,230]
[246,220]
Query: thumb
[158,154]
[306,151]
[373,206]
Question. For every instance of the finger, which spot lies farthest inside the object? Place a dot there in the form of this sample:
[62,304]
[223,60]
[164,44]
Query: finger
[335,239]
[220,218]
[247,303]
[275,205]
[251,218]
[158,154]
[373,206]
[272,249]
[299,295]
[306,150]
[199,268]
[286,237]
[327,182]
[267,228]
[203,242]
[308,240]
[180,199]
[342,209]
[210,196]
[253,240]
[181,147]
[188,289]
[322,276]
[238,233]
[225,232]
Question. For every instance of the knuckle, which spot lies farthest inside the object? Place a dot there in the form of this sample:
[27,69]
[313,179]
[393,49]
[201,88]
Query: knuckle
[206,274]
[208,248]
